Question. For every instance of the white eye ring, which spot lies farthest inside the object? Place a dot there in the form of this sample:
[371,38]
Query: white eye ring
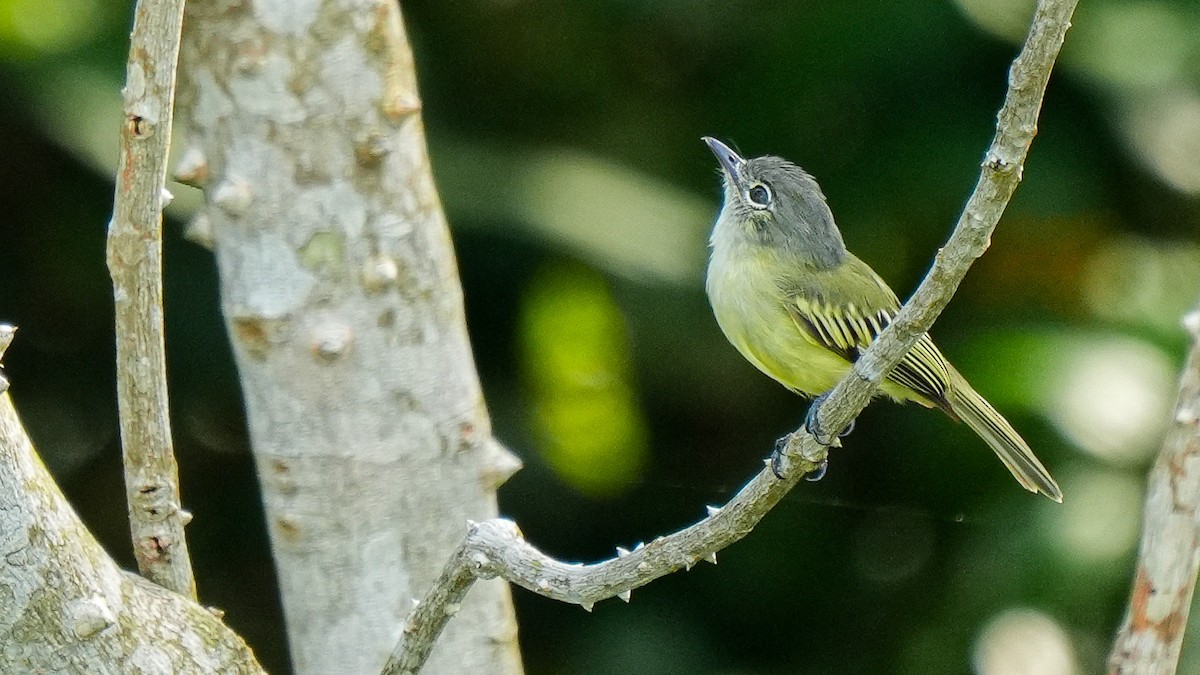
[759,196]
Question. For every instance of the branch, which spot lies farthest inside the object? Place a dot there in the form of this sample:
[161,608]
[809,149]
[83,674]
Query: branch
[496,548]
[1169,556]
[6,337]
[135,262]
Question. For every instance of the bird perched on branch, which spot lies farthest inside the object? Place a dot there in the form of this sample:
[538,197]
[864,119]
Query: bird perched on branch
[802,308]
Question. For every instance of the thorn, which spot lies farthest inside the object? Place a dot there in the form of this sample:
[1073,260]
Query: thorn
[370,149]
[640,545]
[415,603]
[165,198]
[498,464]
[712,510]
[192,168]
[643,567]
[199,231]
[688,563]
[471,524]
[6,336]
[587,606]
[216,611]
[712,557]
[185,516]
[331,341]
[626,595]
[452,609]
[379,273]
[232,196]
[543,584]
[622,552]
[1191,322]
[1187,416]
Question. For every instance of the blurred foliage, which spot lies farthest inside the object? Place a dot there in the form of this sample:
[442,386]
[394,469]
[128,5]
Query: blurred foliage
[589,428]
[565,139]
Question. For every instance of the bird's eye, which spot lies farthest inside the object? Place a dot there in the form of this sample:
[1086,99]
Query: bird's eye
[759,196]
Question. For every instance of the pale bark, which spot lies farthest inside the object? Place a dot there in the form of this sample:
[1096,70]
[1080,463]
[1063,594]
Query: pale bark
[156,519]
[65,606]
[341,297]
[1151,635]
[496,548]
[6,337]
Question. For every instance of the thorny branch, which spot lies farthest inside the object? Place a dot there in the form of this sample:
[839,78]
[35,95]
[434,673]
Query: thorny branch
[496,547]
[135,262]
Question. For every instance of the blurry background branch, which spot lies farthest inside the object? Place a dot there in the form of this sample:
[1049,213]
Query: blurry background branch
[156,518]
[341,298]
[497,548]
[1164,580]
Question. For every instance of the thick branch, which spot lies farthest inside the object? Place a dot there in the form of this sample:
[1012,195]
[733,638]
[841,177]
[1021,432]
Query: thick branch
[344,310]
[1169,557]
[135,262]
[496,548]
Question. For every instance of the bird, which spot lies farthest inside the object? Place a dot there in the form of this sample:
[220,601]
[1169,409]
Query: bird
[801,308]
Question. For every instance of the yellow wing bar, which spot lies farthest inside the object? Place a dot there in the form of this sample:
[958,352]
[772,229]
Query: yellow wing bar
[847,330]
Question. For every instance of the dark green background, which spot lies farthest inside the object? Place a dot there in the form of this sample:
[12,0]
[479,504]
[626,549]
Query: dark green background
[565,140]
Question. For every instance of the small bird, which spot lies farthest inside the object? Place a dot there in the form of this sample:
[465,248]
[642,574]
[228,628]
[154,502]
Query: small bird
[801,308]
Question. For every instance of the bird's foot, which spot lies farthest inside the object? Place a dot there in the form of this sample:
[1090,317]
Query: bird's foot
[780,450]
[817,473]
[777,455]
[813,423]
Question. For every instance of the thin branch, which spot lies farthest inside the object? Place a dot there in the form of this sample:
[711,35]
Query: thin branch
[1169,557]
[496,547]
[135,262]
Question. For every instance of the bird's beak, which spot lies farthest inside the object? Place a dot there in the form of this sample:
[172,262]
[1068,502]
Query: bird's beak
[730,161]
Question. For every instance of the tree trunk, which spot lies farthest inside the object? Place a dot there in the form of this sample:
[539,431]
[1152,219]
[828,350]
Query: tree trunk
[341,297]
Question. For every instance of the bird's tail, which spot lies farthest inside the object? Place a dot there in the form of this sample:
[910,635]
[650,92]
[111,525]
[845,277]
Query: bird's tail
[1008,445]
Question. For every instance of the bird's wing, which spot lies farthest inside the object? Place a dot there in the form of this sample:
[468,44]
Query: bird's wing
[847,316]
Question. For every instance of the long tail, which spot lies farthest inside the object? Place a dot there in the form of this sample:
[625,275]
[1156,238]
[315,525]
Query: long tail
[1008,445]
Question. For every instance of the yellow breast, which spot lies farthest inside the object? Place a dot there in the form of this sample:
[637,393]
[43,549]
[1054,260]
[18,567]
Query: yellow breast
[752,312]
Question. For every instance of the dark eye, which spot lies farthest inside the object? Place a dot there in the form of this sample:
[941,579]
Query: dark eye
[760,196]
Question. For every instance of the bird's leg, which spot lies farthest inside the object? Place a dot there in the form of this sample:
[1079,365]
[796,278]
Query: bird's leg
[813,424]
[814,427]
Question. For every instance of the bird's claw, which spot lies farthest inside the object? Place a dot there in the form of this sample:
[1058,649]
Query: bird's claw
[777,456]
[817,473]
[813,424]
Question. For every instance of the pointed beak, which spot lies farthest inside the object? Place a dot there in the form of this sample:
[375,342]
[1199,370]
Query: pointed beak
[730,161]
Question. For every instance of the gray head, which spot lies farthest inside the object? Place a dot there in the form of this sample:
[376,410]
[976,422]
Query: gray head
[771,202]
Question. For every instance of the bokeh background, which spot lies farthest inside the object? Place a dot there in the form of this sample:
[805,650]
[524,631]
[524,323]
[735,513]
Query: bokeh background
[565,141]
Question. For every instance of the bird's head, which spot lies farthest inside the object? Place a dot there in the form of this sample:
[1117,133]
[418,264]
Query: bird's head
[771,201]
